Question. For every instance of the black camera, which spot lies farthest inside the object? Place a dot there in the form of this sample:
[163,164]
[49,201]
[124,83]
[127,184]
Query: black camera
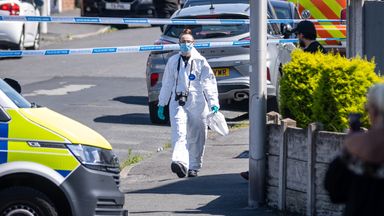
[181,97]
[354,122]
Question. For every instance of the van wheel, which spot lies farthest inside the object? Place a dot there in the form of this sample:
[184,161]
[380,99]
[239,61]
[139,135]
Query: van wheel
[153,114]
[25,201]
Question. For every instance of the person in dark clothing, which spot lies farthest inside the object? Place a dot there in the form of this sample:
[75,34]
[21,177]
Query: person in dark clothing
[356,176]
[306,33]
[165,8]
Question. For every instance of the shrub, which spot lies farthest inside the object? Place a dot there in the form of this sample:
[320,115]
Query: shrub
[325,88]
[297,87]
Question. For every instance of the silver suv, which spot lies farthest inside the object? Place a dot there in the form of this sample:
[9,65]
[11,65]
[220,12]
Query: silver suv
[230,64]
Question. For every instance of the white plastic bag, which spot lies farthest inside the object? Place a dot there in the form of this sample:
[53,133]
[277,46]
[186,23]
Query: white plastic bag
[217,123]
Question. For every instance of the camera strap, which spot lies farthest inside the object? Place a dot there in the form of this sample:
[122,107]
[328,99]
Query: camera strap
[177,76]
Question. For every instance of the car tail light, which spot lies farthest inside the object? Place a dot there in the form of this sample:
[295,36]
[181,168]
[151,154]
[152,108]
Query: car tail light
[154,78]
[14,9]
[268,74]
[343,15]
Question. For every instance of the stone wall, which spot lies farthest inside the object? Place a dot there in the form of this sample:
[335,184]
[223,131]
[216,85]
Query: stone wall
[297,160]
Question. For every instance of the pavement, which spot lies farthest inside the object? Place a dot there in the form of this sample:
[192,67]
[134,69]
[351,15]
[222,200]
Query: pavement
[66,31]
[150,186]
[152,189]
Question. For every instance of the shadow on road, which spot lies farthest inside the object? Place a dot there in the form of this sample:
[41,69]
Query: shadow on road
[230,189]
[132,118]
[238,118]
[137,100]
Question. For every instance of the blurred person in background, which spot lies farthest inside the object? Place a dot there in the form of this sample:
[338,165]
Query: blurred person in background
[356,176]
[165,8]
[306,33]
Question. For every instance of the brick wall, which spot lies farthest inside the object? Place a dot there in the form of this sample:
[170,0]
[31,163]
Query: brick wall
[68,5]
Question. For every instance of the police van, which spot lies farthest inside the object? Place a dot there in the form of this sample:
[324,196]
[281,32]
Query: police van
[326,9]
[52,165]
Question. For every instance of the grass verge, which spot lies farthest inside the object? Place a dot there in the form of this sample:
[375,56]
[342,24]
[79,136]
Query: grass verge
[242,124]
[167,145]
[132,159]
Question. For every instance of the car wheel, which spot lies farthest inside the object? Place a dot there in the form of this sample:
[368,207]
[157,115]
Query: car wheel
[153,114]
[26,201]
[20,46]
[36,43]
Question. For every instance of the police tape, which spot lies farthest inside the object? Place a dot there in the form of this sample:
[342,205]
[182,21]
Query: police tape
[142,21]
[142,48]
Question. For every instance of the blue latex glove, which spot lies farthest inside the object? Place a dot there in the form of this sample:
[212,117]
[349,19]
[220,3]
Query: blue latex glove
[160,113]
[215,109]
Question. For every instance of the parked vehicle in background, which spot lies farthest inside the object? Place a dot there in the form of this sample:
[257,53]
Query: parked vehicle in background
[326,9]
[20,35]
[230,64]
[286,10]
[189,3]
[52,165]
[283,9]
[117,8]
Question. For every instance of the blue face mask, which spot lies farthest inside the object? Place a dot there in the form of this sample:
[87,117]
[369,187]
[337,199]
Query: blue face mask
[186,47]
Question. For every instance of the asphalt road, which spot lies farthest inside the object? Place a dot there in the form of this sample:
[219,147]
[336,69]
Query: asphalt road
[106,92]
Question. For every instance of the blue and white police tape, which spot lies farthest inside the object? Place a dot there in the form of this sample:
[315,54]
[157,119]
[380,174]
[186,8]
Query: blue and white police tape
[115,20]
[142,48]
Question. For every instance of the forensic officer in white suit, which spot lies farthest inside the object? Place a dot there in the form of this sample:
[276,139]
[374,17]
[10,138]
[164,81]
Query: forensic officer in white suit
[189,85]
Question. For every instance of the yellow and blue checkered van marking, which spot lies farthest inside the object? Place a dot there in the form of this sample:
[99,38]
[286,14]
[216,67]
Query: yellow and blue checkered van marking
[3,143]
[14,137]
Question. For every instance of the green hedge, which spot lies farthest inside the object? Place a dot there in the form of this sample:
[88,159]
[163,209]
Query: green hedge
[325,88]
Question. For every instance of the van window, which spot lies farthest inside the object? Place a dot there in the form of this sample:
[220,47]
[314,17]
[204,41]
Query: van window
[283,12]
[15,97]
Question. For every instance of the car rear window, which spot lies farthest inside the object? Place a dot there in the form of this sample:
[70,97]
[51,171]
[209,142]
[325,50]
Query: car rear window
[209,31]
[190,3]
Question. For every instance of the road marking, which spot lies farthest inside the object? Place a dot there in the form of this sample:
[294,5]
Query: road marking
[60,91]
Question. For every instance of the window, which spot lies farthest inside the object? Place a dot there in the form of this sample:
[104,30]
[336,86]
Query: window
[190,3]
[15,97]
[209,31]
[283,12]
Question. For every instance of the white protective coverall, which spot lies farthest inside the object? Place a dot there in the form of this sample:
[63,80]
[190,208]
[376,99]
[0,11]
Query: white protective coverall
[188,122]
